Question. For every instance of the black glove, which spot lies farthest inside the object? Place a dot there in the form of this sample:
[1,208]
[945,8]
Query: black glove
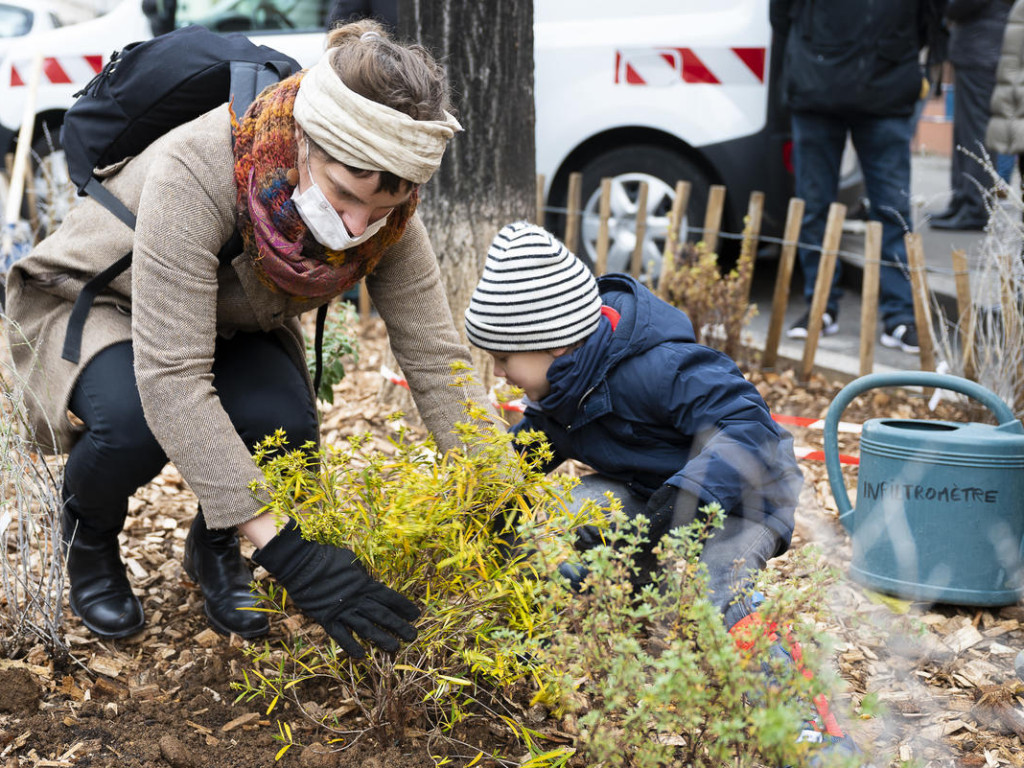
[329,585]
[670,507]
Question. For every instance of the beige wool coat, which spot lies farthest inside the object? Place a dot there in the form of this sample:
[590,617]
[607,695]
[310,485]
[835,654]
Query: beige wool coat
[176,298]
[1005,132]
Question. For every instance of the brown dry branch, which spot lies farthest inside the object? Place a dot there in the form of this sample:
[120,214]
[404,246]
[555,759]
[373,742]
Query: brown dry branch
[993,327]
[31,559]
[716,303]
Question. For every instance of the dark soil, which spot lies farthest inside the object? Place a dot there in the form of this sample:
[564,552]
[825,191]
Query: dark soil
[943,675]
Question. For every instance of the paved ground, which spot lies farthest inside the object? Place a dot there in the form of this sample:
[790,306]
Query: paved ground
[840,354]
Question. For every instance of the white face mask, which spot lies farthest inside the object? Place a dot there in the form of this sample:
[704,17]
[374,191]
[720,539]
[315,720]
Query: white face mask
[323,221]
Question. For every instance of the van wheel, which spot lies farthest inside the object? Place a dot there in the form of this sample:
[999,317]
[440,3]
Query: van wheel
[628,166]
[51,187]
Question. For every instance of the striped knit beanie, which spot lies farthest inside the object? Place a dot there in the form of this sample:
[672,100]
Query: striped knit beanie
[534,294]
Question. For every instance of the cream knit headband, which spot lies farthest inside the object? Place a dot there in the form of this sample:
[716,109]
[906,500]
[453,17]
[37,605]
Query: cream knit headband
[366,134]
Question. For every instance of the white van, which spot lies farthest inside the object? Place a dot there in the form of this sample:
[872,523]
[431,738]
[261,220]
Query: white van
[21,18]
[656,90]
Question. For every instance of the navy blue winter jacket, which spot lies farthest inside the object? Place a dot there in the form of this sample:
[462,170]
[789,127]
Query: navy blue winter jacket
[851,57]
[646,405]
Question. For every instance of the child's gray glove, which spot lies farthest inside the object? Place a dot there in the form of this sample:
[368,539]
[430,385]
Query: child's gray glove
[330,585]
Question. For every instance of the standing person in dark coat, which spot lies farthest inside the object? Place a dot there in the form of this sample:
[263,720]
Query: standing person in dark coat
[851,68]
[975,38]
[615,379]
[346,11]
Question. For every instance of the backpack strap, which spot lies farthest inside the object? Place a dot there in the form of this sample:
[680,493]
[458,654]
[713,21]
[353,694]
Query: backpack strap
[87,296]
[248,79]
[318,346]
[76,322]
[109,200]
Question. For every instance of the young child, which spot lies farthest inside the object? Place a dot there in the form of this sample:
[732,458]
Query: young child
[614,378]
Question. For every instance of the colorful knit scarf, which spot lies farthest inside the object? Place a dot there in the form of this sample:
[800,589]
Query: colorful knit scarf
[285,256]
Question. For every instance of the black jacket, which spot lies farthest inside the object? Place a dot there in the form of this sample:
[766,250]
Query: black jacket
[852,57]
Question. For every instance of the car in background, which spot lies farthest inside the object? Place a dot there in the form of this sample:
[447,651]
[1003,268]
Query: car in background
[659,91]
[21,19]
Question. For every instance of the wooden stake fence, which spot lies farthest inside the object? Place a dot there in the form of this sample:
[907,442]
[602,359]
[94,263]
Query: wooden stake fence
[823,285]
[604,213]
[751,238]
[869,295]
[713,217]
[965,311]
[675,218]
[636,262]
[922,303]
[572,216]
[780,299]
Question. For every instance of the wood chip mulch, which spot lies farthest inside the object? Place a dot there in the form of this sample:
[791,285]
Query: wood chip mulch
[923,685]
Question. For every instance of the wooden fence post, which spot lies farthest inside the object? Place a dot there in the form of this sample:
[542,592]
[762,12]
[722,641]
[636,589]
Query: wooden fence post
[869,295]
[640,227]
[922,306]
[713,216]
[823,285]
[675,219]
[965,311]
[751,238]
[572,220]
[605,212]
[783,278]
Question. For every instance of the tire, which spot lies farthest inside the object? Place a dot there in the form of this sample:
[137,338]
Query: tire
[627,166]
[54,194]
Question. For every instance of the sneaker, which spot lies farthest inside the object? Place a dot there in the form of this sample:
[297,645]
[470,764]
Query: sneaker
[832,745]
[829,326]
[903,336]
[819,726]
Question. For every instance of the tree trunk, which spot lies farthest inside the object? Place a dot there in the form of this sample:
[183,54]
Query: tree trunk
[486,179]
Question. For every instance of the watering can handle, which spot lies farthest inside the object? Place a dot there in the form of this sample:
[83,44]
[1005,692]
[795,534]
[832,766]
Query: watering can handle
[893,379]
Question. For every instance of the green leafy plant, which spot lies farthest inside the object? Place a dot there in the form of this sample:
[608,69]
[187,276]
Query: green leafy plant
[340,345]
[655,679]
[443,530]
[650,677]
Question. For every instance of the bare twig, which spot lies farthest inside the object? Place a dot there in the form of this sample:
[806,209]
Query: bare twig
[31,557]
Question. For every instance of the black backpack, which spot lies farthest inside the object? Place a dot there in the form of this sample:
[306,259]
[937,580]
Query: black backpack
[144,91]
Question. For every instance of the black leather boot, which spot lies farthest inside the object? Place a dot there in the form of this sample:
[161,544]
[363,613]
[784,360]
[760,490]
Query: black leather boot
[214,562]
[100,593]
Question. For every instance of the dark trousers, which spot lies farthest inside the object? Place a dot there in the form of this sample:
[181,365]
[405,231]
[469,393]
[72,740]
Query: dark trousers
[257,382]
[733,555]
[883,148]
[968,178]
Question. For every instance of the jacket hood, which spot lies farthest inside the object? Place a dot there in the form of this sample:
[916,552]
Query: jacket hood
[644,321]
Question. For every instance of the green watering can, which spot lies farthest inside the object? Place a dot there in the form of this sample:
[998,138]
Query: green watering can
[940,504]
